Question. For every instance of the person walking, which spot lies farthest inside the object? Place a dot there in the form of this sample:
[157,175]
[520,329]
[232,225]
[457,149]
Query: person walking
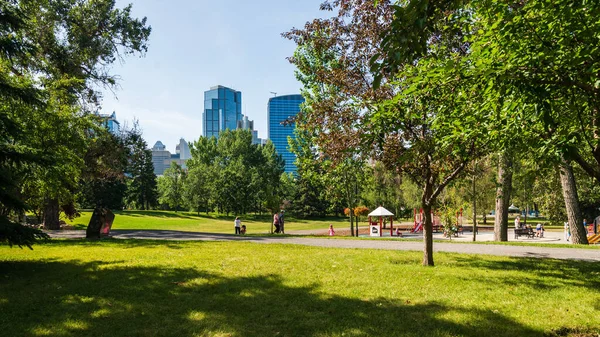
[281,222]
[276,222]
[237,224]
[331,231]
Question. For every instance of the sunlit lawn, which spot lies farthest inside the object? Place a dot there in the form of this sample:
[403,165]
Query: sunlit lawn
[212,223]
[150,288]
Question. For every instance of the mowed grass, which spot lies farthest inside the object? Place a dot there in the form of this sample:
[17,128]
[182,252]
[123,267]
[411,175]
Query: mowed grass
[152,288]
[212,223]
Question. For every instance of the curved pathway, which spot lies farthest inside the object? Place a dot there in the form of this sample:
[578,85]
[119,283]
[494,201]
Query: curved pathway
[487,249]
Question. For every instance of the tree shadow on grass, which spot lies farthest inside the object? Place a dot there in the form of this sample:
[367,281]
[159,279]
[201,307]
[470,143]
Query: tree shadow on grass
[120,243]
[96,299]
[571,272]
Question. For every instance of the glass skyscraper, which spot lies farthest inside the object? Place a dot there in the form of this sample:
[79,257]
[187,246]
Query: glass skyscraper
[111,122]
[281,109]
[222,110]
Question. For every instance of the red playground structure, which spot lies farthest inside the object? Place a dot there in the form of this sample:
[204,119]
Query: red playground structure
[419,220]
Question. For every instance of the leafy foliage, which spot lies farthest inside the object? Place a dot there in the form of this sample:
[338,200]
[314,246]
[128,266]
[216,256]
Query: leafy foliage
[141,181]
[233,175]
[170,186]
[54,57]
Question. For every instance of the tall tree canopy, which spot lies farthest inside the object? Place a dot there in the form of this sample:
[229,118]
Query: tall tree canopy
[379,98]
[231,174]
[55,56]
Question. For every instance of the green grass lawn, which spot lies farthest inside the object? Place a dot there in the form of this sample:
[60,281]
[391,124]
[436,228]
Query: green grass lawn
[151,288]
[212,223]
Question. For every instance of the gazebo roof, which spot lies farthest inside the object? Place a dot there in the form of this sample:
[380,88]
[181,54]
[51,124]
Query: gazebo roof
[513,208]
[380,211]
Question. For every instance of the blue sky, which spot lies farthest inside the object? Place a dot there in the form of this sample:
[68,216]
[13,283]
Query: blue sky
[198,44]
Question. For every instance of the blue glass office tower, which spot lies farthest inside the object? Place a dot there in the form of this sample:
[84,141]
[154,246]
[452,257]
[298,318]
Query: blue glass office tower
[222,110]
[280,109]
[110,122]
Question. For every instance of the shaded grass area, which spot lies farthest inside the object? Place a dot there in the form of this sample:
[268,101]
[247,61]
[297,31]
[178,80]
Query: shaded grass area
[211,223]
[155,288]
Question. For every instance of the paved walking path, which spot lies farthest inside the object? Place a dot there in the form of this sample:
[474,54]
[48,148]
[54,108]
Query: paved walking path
[399,244]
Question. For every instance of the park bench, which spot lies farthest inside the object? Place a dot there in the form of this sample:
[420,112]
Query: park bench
[524,231]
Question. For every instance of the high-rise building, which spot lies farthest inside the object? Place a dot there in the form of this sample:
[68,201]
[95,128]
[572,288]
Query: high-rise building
[183,150]
[111,122]
[281,112]
[162,158]
[222,110]
[246,124]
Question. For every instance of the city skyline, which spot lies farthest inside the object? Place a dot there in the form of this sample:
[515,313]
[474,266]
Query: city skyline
[187,56]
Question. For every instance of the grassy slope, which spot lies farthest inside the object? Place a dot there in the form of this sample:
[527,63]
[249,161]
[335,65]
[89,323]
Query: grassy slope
[147,288]
[186,221]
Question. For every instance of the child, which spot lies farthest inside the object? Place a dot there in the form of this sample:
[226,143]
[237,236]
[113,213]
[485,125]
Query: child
[331,231]
[398,233]
[243,230]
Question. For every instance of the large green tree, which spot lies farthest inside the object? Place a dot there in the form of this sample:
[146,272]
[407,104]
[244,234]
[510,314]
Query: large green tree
[19,99]
[141,180]
[394,100]
[550,55]
[56,55]
[171,186]
[271,190]
[231,174]
[199,187]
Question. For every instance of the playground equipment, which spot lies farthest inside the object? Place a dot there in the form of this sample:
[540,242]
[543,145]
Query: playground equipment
[594,239]
[419,220]
[376,227]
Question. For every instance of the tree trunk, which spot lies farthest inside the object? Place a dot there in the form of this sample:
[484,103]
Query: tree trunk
[351,221]
[22,218]
[474,212]
[427,236]
[503,197]
[51,214]
[569,188]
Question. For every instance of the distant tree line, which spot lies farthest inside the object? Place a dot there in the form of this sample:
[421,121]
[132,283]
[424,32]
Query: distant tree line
[226,175]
